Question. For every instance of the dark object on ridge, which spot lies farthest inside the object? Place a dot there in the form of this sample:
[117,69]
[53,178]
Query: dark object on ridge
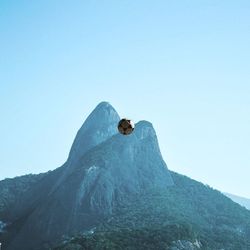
[126,126]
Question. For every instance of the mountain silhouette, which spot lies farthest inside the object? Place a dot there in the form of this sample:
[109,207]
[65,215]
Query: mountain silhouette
[240,200]
[117,193]
[103,168]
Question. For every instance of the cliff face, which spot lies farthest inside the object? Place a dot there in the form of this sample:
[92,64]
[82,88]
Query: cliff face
[100,125]
[119,167]
[103,169]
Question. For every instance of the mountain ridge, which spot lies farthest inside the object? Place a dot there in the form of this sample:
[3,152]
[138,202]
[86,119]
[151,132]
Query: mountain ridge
[245,202]
[102,169]
[116,183]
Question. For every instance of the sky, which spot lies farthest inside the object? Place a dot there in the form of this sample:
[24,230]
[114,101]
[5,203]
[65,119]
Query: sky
[182,65]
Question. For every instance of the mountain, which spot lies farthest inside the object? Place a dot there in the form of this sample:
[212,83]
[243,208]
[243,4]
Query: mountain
[116,192]
[100,125]
[102,169]
[240,200]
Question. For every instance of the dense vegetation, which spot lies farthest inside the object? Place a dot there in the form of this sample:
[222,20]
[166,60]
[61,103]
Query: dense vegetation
[188,210]
[137,239]
[12,189]
[154,219]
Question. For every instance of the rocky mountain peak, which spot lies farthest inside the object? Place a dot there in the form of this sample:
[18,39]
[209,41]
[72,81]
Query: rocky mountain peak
[98,127]
[144,129]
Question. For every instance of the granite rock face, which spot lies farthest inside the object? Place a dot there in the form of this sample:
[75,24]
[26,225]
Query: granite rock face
[122,166]
[185,245]
[100,125]
[2,226]
[103,168]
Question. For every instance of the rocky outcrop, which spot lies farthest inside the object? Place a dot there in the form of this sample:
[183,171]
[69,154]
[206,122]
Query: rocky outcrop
[100,125]
[185,245]
[2,226]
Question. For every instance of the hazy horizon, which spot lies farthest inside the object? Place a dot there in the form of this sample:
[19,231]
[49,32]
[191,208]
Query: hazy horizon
[182,66]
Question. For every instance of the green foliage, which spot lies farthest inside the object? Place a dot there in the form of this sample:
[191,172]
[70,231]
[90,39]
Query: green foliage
[137,239]
[188,210]
[12,189]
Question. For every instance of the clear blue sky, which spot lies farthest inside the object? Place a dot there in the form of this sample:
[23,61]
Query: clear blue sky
[183,65]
